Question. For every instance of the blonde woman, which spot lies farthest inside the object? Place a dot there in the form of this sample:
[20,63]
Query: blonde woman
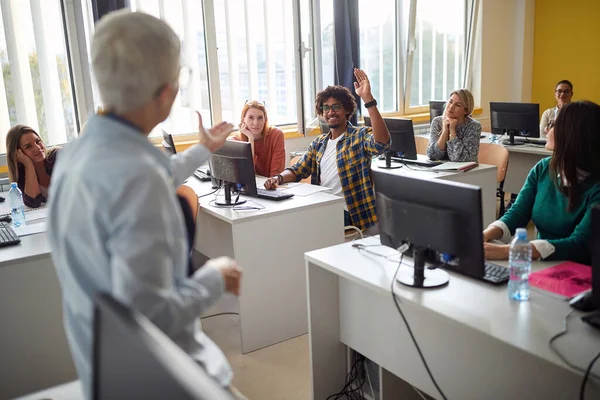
[268,145]
[30,164]
[455,135]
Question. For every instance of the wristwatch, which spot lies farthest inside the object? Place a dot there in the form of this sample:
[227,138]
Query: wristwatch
[279,178]
[371,103]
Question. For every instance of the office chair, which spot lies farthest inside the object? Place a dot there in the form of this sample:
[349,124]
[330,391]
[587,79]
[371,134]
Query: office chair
[495,154]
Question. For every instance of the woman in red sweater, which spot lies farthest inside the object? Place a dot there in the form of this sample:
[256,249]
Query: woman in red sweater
[267,142]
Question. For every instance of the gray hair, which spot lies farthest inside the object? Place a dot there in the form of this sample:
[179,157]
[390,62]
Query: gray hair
[133,55]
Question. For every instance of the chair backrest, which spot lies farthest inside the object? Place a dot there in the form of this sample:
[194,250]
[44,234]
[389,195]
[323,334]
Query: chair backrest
[293,161]
[422,143]
[494,154]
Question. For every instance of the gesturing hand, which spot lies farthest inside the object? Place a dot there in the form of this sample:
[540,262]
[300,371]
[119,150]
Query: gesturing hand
[215,137]
[362,86]
[230,271]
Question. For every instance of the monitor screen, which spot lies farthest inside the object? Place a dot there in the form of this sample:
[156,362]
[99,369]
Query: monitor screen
[516,119]
[595,246]
[132,358]
[432,215]
[234,165]
[436,108]
[403,137]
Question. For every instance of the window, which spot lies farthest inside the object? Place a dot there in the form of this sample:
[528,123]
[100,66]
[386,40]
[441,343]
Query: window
[255,43]
[186,18]
[436,52]
[35,85]
[379,50]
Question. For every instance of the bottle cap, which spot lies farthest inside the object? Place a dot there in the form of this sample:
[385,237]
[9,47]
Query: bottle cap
[13,184]
[521,233]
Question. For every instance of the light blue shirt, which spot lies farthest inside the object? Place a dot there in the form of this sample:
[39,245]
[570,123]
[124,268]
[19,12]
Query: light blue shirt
[116,226]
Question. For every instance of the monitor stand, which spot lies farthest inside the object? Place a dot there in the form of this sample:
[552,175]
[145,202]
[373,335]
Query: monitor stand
[227,186]
[388,162]
[419,276]
[511,140]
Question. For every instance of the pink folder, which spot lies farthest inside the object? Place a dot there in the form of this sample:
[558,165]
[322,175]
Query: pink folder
[566,279]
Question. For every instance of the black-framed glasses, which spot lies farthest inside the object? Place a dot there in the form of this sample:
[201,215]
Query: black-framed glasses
[566,91]
[334,107]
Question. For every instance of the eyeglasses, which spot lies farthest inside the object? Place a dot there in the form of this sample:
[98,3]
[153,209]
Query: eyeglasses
[334,107]
[559,92]
[255,102]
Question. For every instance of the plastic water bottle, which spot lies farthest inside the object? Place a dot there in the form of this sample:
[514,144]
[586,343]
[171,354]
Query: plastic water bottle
[17,208]
[519,263]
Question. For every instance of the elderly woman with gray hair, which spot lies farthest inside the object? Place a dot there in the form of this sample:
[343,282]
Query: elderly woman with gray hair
[115,224]
[455,135]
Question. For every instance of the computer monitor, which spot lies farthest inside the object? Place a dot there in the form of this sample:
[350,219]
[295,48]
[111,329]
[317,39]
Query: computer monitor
[432,216]
[168,144]
[515,119]
[403,140]
[436,108]
[132,358]
[591,300]
[233,164]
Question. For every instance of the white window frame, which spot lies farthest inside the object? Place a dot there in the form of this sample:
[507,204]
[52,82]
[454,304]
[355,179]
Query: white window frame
[464,80]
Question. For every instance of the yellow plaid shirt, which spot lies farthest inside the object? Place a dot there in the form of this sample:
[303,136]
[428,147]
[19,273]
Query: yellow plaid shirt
[354,153]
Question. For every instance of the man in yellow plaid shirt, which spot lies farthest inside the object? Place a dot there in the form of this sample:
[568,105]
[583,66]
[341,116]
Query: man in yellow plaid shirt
[341,159]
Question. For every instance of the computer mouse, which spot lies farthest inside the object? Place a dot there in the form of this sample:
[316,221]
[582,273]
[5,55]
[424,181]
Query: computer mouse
[5,218]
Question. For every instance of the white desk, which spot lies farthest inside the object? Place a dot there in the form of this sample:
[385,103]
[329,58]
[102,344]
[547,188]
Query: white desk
[34,353]
[478,343]
[521,160]
[67,391]
[270,244]
[483,176]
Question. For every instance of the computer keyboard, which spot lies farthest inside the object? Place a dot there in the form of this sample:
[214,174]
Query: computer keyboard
[272,194]
[8,237]
[526,140]
[495,273]
[203,176]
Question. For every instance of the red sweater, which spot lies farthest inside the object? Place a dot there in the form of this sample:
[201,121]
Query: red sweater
[269,153]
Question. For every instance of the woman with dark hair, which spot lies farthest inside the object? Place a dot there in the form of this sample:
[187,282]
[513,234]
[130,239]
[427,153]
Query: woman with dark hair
[563,93]
[30,164]
[560,191]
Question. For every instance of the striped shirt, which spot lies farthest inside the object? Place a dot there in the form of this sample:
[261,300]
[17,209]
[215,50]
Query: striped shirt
[354,153]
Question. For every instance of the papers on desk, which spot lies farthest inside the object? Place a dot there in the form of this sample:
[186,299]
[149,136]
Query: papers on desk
[456,166]
[31,229]
[33,214]
[304,189]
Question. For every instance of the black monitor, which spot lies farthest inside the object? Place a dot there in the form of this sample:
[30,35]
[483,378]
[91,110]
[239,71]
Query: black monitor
[591,300]
[168,144]
[402,143]
[432,216]
[436,108]
[233,164]
[132,358]
[515,119]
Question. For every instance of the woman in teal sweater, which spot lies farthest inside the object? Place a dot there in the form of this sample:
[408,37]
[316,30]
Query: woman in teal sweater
[560,210]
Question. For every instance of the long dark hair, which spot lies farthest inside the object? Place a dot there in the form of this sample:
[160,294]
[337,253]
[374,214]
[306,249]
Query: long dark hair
[576,146]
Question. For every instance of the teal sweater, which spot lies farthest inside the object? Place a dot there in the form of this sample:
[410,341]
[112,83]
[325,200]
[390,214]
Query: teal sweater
[541,201]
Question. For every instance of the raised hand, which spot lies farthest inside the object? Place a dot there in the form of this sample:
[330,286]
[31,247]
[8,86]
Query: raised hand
[362,86]
[213,138]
